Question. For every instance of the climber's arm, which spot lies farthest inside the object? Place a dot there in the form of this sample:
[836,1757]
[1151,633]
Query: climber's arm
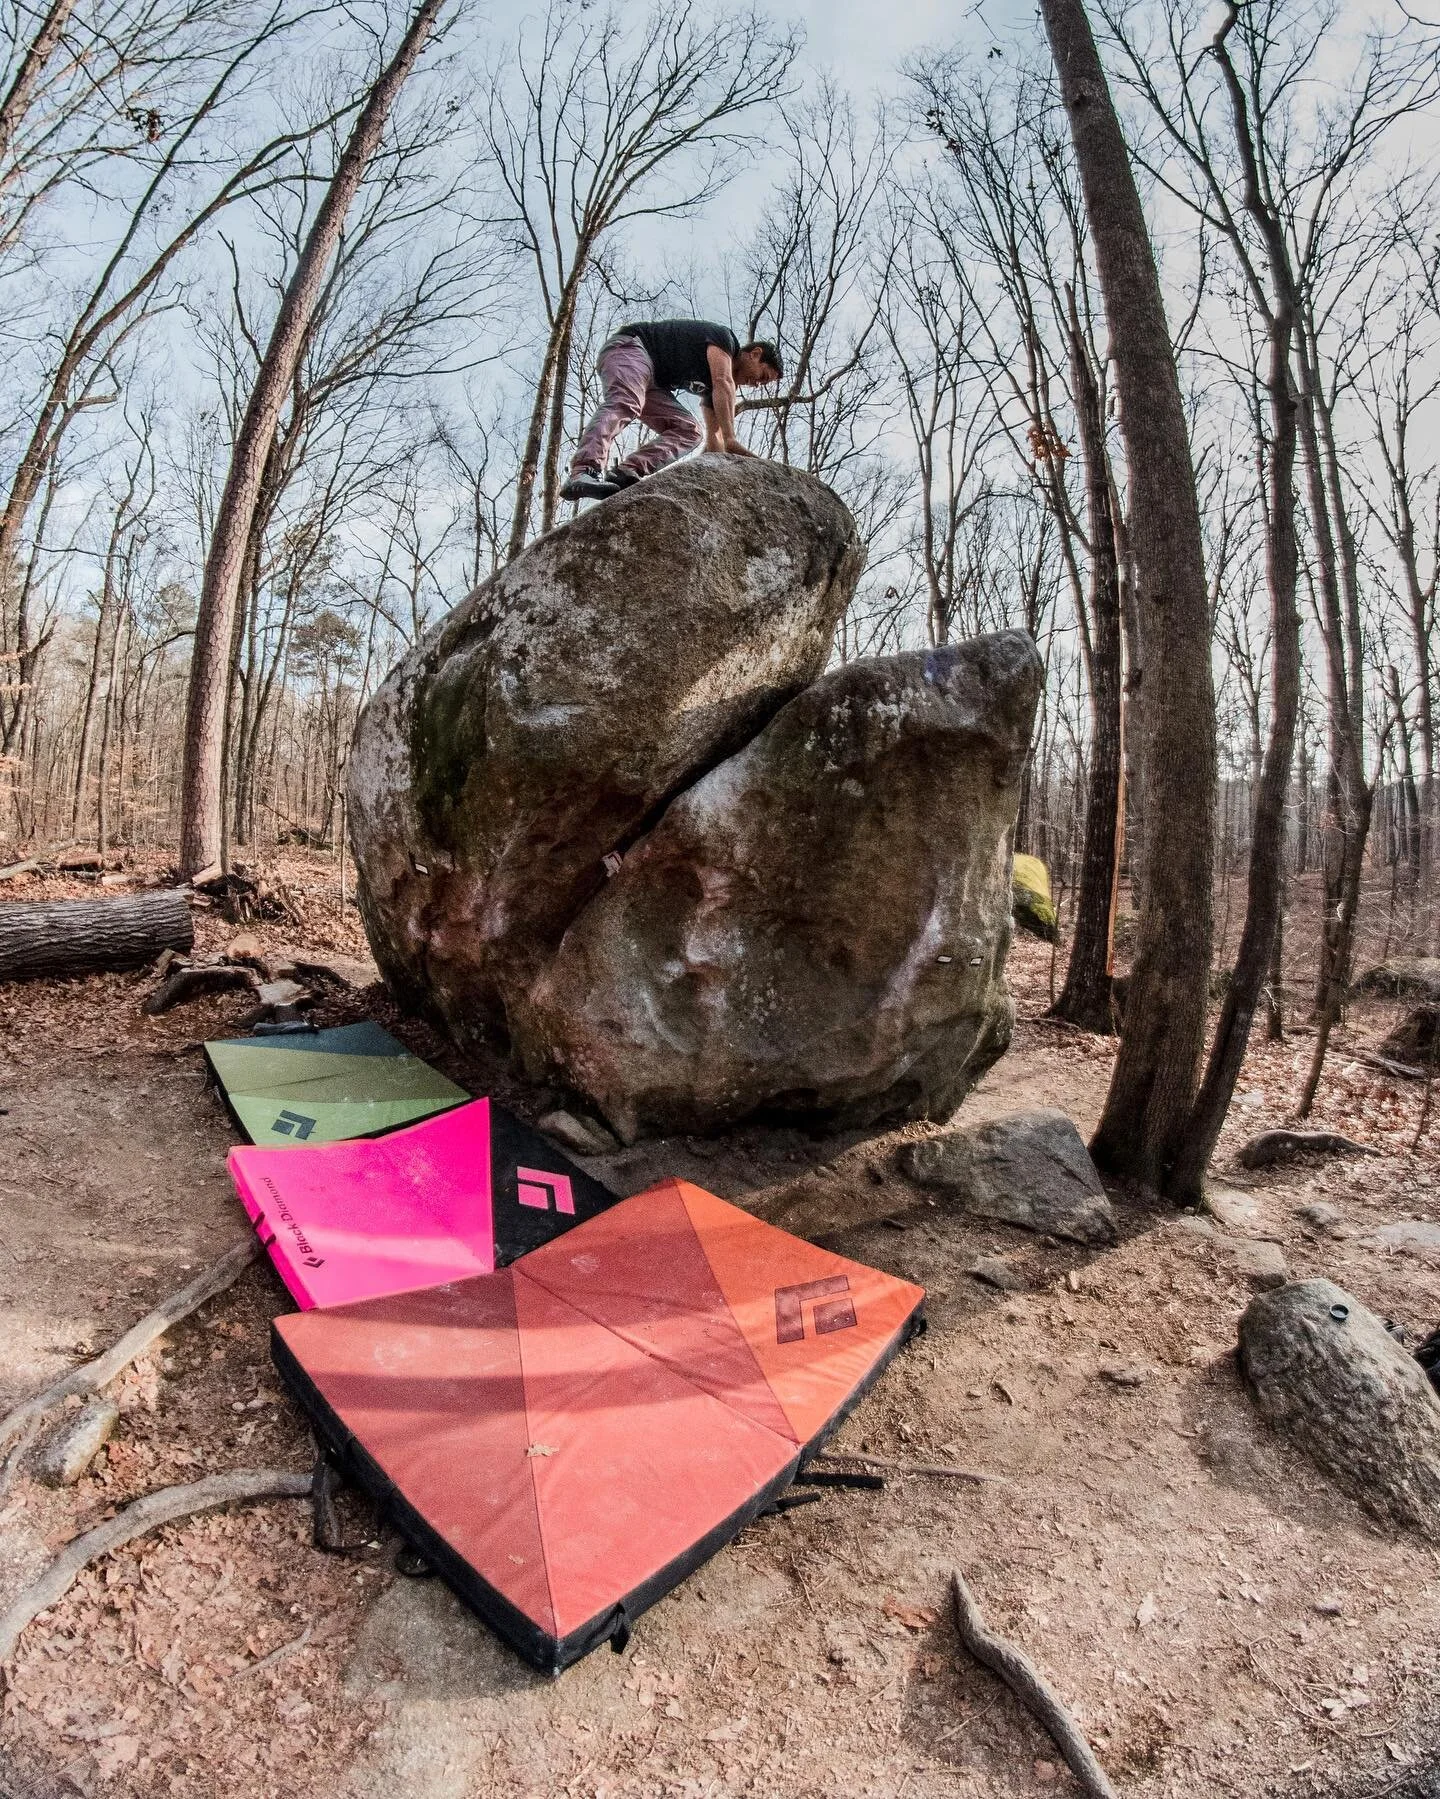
[720,411]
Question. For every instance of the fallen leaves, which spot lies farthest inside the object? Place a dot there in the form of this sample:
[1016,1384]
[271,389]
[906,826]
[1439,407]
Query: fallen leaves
[655,1690]
[913,1617]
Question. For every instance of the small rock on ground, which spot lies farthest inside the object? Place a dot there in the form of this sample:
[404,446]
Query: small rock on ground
[995,1271]
[1413,1236]
[280,993]
[1319,1214]
[1196,1222]
[1262,1264]
[1235,1210]
[581,1136]
[1030,1169]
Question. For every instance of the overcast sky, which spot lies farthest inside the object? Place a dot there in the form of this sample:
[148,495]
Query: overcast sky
[863,40]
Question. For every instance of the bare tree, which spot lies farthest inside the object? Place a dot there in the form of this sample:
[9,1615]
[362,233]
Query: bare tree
[89,86]
[1323,239]
[128,511]
[386,320]
[600,125]
[1019,208]
[202,786]
[80,353]
[1279,309]
[815,271]
[1153,1086]
[927,323]
[1409,515]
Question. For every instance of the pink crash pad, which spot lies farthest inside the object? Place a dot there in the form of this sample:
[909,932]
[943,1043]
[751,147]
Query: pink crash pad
[459,1194]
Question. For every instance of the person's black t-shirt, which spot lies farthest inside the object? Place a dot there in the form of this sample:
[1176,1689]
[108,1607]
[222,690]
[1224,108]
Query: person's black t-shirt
[676,348]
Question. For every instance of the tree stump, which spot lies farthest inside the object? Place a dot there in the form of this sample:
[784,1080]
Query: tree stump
[73,937]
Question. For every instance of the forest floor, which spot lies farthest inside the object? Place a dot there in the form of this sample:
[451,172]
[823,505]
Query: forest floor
[1221,1619]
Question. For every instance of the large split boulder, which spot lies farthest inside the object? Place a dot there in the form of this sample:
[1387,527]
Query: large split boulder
[819,925]
[546,720]
[1403,977]
[613,812]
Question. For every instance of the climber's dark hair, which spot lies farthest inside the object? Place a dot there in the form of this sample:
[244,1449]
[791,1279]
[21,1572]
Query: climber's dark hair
[770,354]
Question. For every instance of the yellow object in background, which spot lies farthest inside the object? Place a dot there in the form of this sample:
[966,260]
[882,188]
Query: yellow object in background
[1030,890]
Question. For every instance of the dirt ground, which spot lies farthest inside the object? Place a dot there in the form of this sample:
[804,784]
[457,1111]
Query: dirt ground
[1220,1618]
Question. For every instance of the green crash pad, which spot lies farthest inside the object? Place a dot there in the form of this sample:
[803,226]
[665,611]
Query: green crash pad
[326,1086]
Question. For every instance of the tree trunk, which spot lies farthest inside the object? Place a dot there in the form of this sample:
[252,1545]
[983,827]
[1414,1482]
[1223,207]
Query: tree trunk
[1344,937]
[561,382]
[203,776]
[70,937]
[1409,792]
[1265,881]
[1153,1087]
[1133,723]
[87,720]
[27,654]
[1275,984]
[28,77]
[1302,826]
[1085,998]
[534,442]
[102,771]
[1348,801]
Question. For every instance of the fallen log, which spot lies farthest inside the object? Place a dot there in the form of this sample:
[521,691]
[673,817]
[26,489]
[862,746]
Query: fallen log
[28,867]
[74,937]
[1271,1147]
[1031,1688]
[1389,1066]
[136,1520]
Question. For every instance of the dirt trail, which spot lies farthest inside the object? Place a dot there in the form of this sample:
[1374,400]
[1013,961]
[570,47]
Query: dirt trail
[1222,1620]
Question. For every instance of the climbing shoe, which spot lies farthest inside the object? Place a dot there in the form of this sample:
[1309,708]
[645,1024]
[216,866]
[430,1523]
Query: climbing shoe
[588,484]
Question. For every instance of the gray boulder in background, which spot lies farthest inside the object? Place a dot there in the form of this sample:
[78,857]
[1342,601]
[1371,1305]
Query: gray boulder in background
[1403,977]
[541,725]
[1326,1372]
[818,927]
[1029,1169]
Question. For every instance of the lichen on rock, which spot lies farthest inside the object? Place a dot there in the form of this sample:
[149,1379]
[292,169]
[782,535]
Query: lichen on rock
[612,812]
[539,726]
[819,925]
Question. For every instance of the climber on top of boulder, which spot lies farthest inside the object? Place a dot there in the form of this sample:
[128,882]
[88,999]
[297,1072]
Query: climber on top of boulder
[642,367]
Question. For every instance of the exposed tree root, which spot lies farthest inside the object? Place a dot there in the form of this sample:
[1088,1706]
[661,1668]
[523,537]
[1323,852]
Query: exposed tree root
[25,1420]
[1031,1688]
[135,1520]
[1271,1147]
[936,1470]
